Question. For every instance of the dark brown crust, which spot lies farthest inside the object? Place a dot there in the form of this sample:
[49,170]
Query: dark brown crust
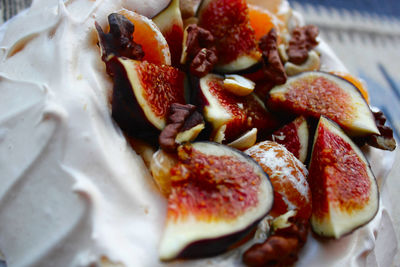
[303,40]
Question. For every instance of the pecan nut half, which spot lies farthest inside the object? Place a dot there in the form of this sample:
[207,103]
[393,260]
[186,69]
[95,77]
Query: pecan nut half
[184,123]
[200,50]
[303,40]
[272,64]
[281,248]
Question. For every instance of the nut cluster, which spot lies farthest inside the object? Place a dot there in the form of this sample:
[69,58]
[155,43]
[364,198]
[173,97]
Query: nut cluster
[119,41]
[201,51]
[181,118]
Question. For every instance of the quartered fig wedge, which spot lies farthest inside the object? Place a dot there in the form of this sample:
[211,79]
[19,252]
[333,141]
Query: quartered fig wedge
[229,115]
[218,194]
[169,21]
[294,136]
[143,93]
[317,93]
[344,189]
[228,21]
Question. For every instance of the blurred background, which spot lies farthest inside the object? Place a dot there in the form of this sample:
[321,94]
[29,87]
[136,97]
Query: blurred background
[365,34]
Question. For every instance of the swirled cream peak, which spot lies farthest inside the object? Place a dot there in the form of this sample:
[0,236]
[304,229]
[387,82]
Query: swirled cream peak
[71,188]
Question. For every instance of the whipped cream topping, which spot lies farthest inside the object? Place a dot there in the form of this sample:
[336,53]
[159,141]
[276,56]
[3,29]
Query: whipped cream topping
[71,188]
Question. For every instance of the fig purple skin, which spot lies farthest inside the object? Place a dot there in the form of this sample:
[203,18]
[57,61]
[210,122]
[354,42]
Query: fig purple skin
[142,95]
[126,110]
[200,222]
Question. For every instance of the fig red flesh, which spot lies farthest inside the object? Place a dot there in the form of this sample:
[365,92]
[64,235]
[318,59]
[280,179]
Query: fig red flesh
[244,113]
[341,169]
[315,93]
[218,186]
[319,96]
[163,85]
[294,136]
[344,190]
[228,22]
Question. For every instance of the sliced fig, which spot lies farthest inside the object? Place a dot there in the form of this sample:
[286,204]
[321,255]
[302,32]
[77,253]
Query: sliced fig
[218,195]
[317,93]
[169,21]
[143,93]
[344,189]
[228,21]
[294,136]
[288,177]
[229,115]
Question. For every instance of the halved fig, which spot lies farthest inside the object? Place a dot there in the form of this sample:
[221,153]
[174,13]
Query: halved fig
[169,21]
[143,93]
[288,177]
[294,136]
[228,21]
[344,189]
[229,115]
[218,195]
[317,93]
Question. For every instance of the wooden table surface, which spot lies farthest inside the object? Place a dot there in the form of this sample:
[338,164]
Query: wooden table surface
[9,8]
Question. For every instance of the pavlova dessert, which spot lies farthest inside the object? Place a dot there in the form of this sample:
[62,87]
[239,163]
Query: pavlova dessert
[185,133]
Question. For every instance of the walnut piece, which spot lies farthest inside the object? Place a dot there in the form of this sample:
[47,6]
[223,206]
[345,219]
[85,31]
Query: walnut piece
[200,50]
[184,123]
[303,40]
[272,64]
[385,140]
[119,41]
[281,248]
[203,62]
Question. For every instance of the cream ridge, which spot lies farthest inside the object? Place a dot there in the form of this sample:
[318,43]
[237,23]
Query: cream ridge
[72,190]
